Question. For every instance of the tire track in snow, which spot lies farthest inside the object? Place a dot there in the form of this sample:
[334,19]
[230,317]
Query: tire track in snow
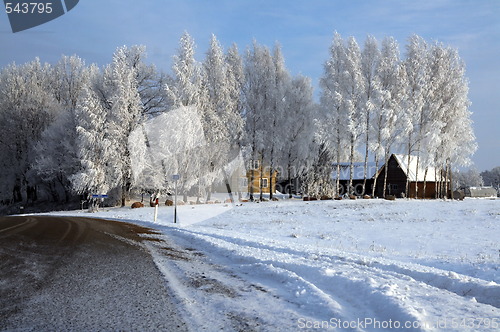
[468,287]
[385,291]
[328,298]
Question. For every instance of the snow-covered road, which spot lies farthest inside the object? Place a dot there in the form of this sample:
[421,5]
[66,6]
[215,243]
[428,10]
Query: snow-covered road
[365,265]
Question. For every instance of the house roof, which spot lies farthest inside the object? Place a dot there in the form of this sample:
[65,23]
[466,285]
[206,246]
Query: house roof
[411,169]
[358,171]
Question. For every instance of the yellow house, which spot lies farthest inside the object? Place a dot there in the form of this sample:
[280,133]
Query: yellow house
[260,176]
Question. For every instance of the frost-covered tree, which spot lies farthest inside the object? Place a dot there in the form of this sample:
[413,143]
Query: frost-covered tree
[185,89]
[332,103]
[468,178]
[492,177]
[222,81]
[56,156]
[353,89]
[389,123]
[115,97]
[125,113]
[266,89]
[317,180]
[68,76]
[94,144]
[276,114]
[416,72]
[27,108]
[457,140]
[235,78]
[257,89]
[298,129]
[370,59]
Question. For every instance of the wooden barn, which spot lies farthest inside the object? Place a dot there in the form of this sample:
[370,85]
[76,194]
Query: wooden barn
[398,169]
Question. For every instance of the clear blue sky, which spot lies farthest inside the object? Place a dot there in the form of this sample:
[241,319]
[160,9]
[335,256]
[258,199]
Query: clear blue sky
[95,28]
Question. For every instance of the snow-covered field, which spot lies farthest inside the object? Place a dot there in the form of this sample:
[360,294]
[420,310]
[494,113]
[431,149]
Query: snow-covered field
[361,265]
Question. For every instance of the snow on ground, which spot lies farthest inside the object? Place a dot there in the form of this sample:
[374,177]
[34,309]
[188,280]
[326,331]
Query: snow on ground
[362,264]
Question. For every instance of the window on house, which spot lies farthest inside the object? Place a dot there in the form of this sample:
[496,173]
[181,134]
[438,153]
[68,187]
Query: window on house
[243,182]
[256,164]
[264,183]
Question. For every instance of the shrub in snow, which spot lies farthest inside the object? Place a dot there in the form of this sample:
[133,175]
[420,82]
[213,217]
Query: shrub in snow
[137,205]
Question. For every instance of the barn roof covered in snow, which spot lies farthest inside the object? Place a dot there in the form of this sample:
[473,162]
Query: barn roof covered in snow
[358,171]
[411,169]
[402,160]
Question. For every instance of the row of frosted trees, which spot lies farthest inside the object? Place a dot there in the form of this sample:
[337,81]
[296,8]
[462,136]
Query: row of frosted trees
[72,128]
[375,103]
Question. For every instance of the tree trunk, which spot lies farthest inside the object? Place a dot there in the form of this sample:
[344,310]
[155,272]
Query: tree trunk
[270,183]
[425,181]
[124,197]
[261,196]
[375,177]
[385,175]
[446,178]
[416,171]
[252,178]
[451,181]
[367,150]
[337,184]
[53,191]
[351,165]
[407,189]
[228,185]
[209,193]
[436,194]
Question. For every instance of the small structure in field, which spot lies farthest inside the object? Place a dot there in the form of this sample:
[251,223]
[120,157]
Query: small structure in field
[478,192]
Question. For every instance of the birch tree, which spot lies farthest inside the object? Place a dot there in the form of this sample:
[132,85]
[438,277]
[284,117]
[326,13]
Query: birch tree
[353,89]
[369,65]
[276,113]
[256,90]
[218,113]
[332,102]
[184,89]
[458,141]
[299,128]
[416,71]
[125,113]
[235,78]
[388,122]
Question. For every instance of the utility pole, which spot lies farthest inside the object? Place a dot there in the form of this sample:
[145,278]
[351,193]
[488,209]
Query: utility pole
[175,177]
